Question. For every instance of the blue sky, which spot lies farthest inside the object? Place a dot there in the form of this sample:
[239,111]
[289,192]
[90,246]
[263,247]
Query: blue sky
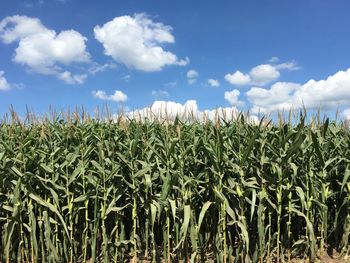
[259,55]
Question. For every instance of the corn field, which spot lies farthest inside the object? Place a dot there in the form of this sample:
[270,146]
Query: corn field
[78,189]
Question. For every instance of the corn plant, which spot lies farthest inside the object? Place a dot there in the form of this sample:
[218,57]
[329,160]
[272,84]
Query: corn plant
[80,189]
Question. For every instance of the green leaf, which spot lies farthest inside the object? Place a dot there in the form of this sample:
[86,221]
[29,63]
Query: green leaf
[202,213]
[46,168]
[184,227]
[252,206]
[53,209]
[312,239]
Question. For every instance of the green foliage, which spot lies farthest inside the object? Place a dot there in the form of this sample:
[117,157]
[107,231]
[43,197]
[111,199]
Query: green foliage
[73,191]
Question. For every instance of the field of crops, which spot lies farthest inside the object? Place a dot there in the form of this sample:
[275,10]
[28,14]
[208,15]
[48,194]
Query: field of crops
[74,190]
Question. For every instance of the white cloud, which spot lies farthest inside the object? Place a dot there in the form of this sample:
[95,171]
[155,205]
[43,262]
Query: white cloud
[326,94]
[168,110]
[4,85]
[213,82]
[160,93]
[346,114]
[22,27]
[43,50]
[232,97]
[69,78]
[192,76]
[238,78]
[136,42]
[262,74]
[278,97]
[118,96]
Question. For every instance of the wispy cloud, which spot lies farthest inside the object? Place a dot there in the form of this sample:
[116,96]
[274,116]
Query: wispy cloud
[171,84]
[214,83]
[96,67]
[160,94]
[126,77]
[192,76]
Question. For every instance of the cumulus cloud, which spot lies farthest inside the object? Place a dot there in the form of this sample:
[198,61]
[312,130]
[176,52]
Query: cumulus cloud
[278,97]
[22,27]
[192,76]
[326,94]
[4,85]
[238,78]
[232,97]
[43,50]
[135,41]
[118,96]
[214,83]
[168,110]
[262,74]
